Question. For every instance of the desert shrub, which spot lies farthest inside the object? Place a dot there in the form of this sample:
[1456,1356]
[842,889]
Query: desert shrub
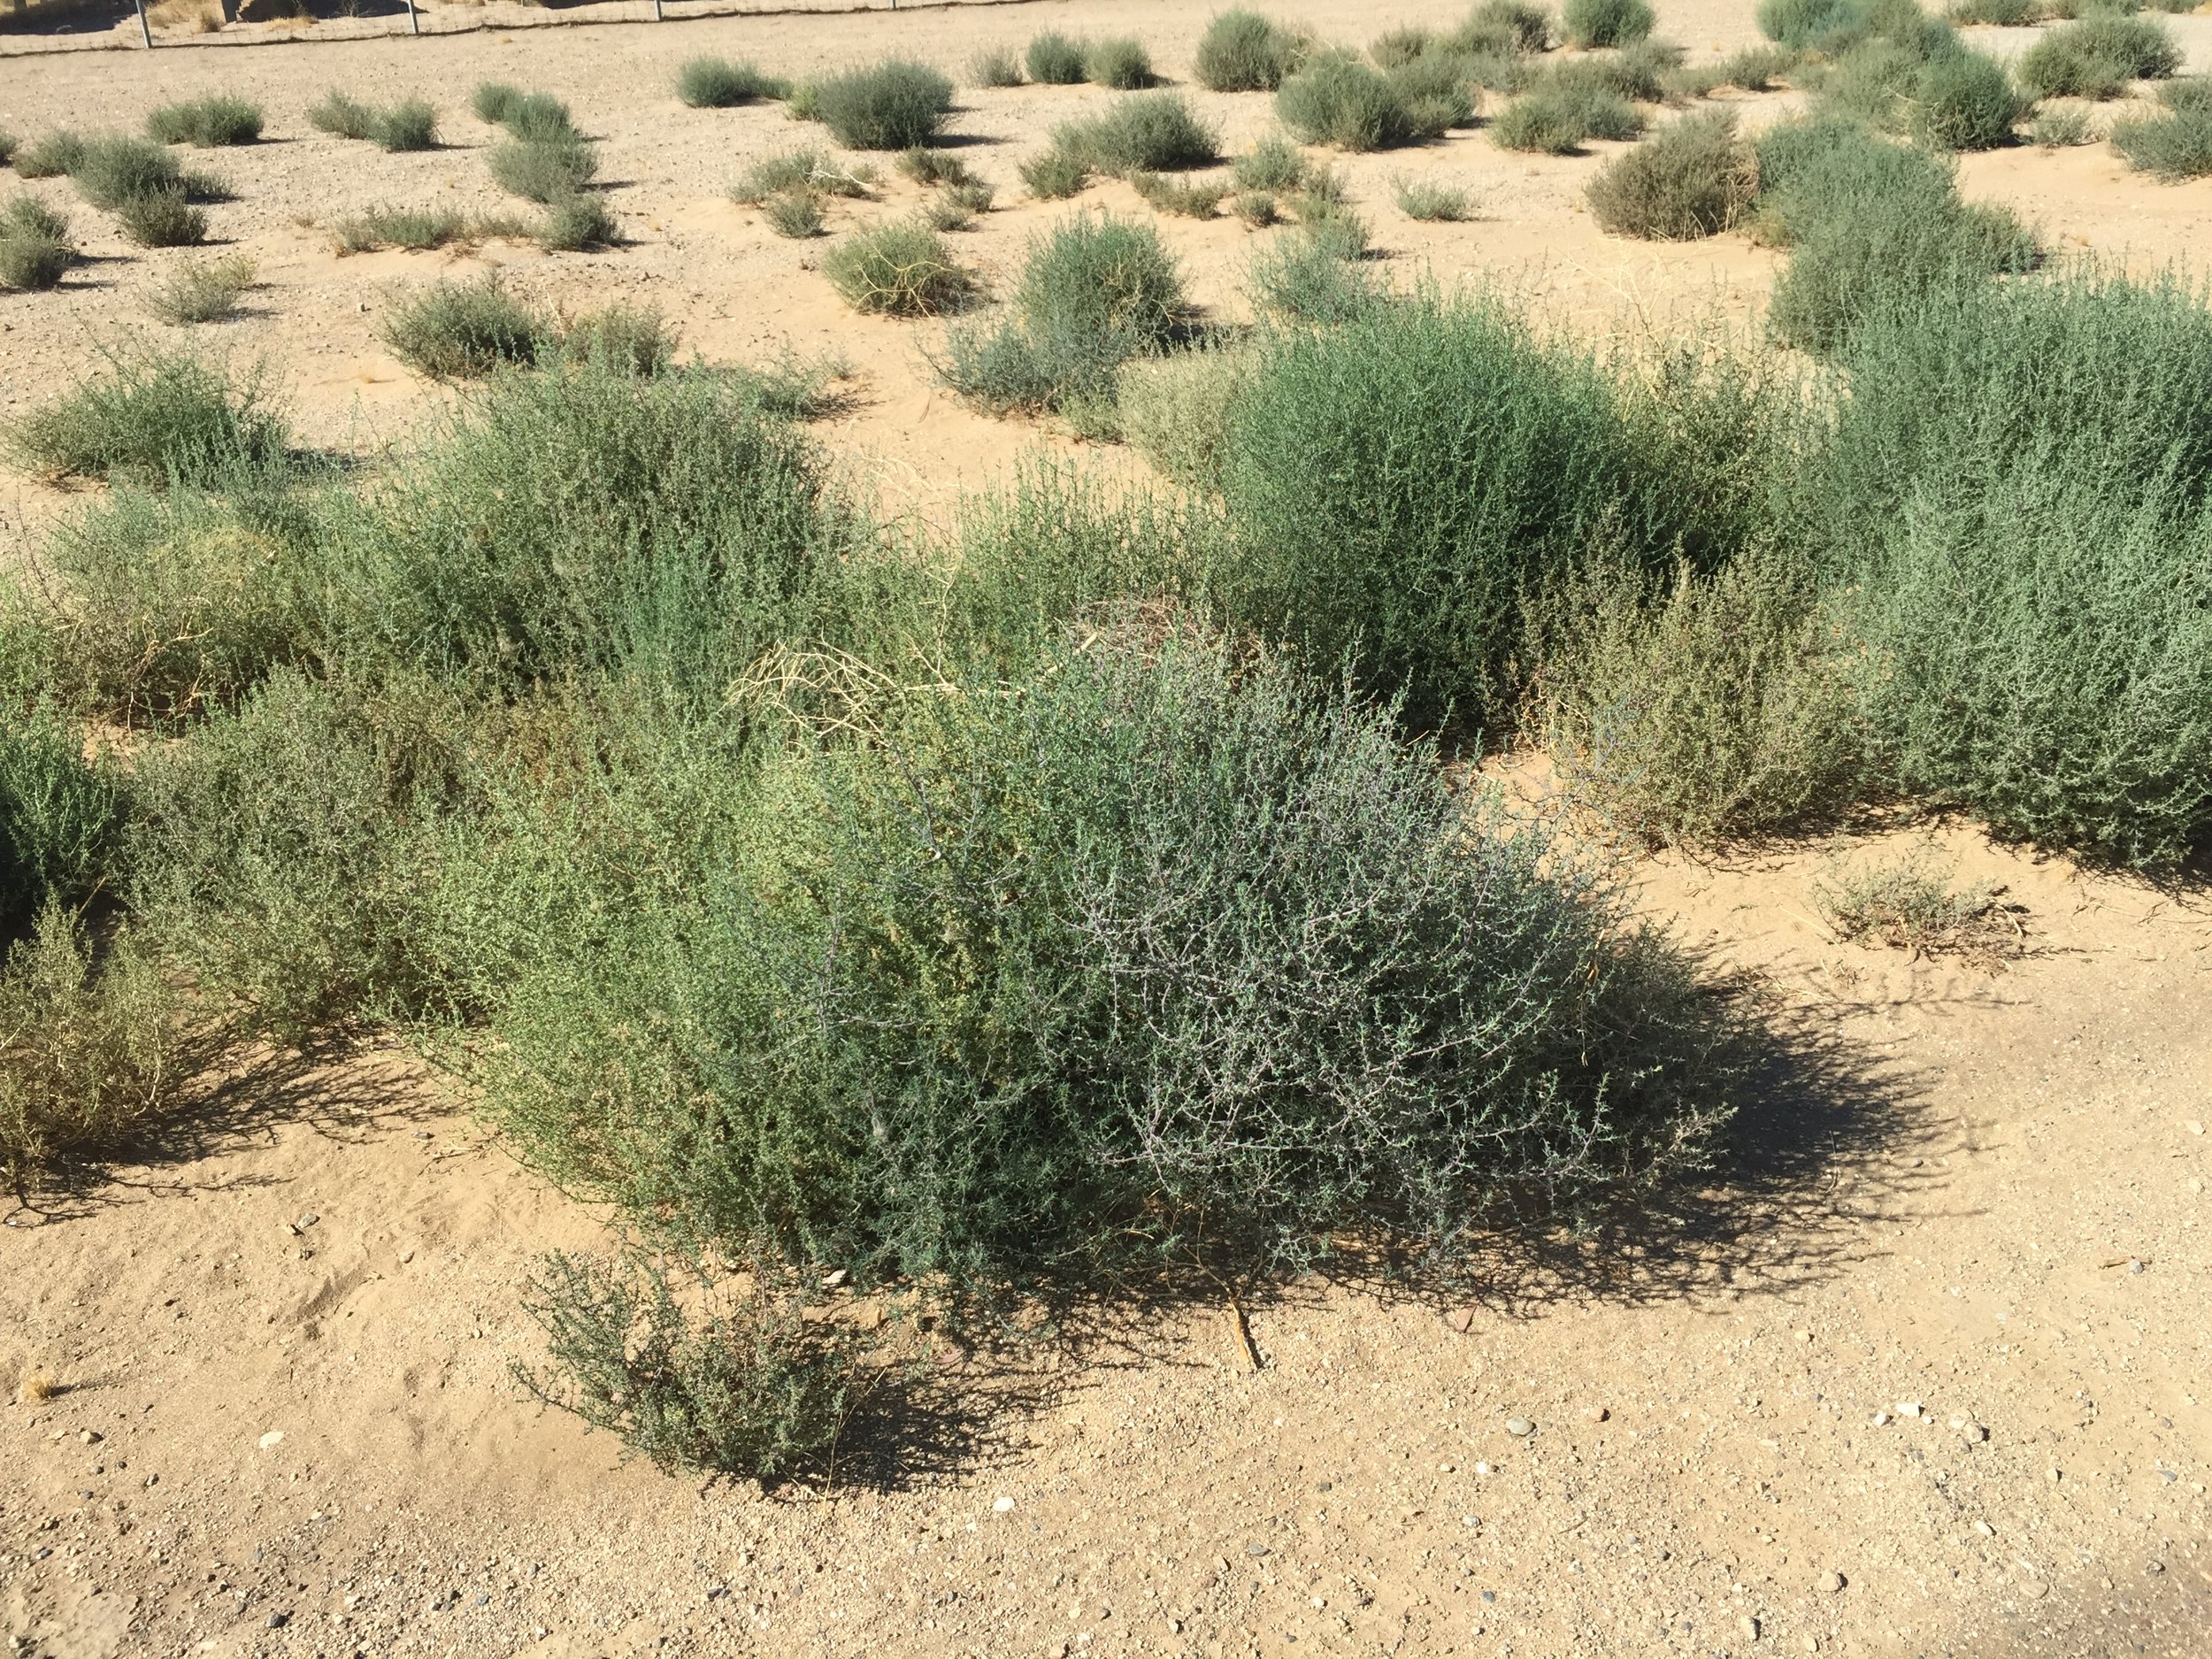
[1171,196]
[532,118]
[152,417]
[1095,291]
[2174,146]
[975,196]
[2061,127]
[542,170]
[1516,26]
[1592,23]
[892,106]
[1756,68]
[1436,92]
[1056,174]
[808,170]
[2009,14]
[1174,411]
[89,1050]
[1055,60]
[1965,101]
[1121,64]
[1872,81]
[576,222]
[1243,52]
[942,212]
[409,124]
[631,339]
[8,144]
[717,83]
[898,271]
[50,156]
[1207,1019]
[1470,466]
[1335,229]
[744,1381]
[462,330]
[1718,709]
[1693,178]
[1866,218]
[2098,57]
[1153,132]
[111,172]
[1822,26]
[1400,46]
[1562,114]
[60,815]
[168,607]
[795,214]
[1272,164]
[1909,904]
[1426,200]
[217,119]
[1304,279]
[415,228]
[162,218]
[927,166]
[995,66]
[1257,209]
[1335,99]
[198,292]
[35,247]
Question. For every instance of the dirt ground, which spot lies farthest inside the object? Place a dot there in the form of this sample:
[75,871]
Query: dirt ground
[1921,1373]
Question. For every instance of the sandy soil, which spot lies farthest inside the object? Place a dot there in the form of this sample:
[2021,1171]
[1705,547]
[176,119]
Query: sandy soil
[1977,1193]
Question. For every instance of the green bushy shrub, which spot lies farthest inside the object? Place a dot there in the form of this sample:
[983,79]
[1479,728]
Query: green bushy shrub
[891,106]
[344,116]
[1095,291]
[1055,60]
[1515,27]
[152,417]
[1719,708]
[1152,132]
[1592,23]
[1335,99]
[1965,101]
[461,330]
[217,119]
[1056,174]
[1203,1020]
[718,83]
[201,291]
[1272,164]
[1822,26]
[1561,113]
[1174,411]
[533,118]
[91,1054]
[542,170]
[1469,464]
[409,124]
[35,252]
[162,218]
[2174,146]
[1243,52]
[60,815]
[996,66]
[2098,57]
[111,172]
[1693,178]
[1121,64]
[898,270]
[1431,203]
[1307,279]
[807,170]
[415,228]
[52,156]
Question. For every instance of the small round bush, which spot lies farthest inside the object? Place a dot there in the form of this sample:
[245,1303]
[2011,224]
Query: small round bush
[1055,174]
[1561,114]
[1243,52]
[1055,60]
[463,330]
[409,124]
[110,171]
[1122,65]
[2172,147]
[897,270]
[1509,27]
[542,171]
[162,218]
[35,249]
[1153,132]
[1965,101]
[1606,22]
[796,213]
[151,416]
[1692,179]
[995,66]
[892,106]
[579,221]
[2098,57]
[206,122]
[1100,275]
[717,83]
[1808,25]
[52,156]
[1336,99]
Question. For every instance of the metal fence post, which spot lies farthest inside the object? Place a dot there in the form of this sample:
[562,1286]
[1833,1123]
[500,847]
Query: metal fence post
[414,22]
[142,27]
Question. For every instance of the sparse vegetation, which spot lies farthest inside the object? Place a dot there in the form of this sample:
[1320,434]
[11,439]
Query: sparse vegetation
[1910,903]
[2175,146]
[1312,278]
[1055,60]
[415,228]
[201,291]
[1200,200]
[35,252]
[50,156]
[2098,57]
[795,214]
[1693,178]
[995,66]
[718,83]
[898,270]
[1243,51]
[1562,114]
[162,218]
[1152,132]
[542,170]
[409,124]
[1965,101]
[1122,65]
[2061,127]
[217,119]
[1335,99]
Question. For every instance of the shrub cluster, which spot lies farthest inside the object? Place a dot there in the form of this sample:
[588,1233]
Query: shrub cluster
[1243,51]
[1335,99]
[1694,178]
[893,105]
[1565,108]
[2100,57]
[1153,132]
[35,252]
[156,419]
[136,178]
[1057,61]
[410,124]
[2174,146]
[217,119]
[898,270]
[717,83]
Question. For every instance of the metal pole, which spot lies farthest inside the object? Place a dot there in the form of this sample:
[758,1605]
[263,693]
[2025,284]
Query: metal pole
[142,29]
[657,11]
[414,22]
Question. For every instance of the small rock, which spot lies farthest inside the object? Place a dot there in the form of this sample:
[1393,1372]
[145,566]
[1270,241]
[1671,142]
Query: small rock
[831,1281]
[2035,1589]
[1325,1485]
[2195,1126]
[272,1438]
[1976,1433]
[2057,1476]
[1470,1520]
[1804,1336]
[278,1621]
[1255,1550]
[1749,1626]
[1482,1469]
[1519,1428]
[1985,1529]
[153,1481]
[1812,1644]
[1599,1414]
[2153,1567]
[2135,1264]
[1833,1582]
[89,1436]
[406,1256]
[1880,1418]
[308,1220]
[1447,1469]
[1461,1319]
[1909,1407]
[1002,1506]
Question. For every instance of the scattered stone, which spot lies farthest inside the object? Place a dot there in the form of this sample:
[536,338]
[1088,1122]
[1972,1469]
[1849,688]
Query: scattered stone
[2153,1567]
[1599,1414]
[1985,1529]
[1804,1336]
[153,1481]
[1255,1550]
[1519,1428]
[278,1621]
[1880,1418]
[1812,1644]
[1833,1582]
[270,1440]
[1325,1485]
[1482,1469]
[1909,1407]
[1976,1433]
[1461,1319]
[1002,1506]
[1470,1520]
[89,1436]
[2056,1476]
[1447,1469]
[831,1281]
[308,1220]
[2035,1589]
[1749,1626]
